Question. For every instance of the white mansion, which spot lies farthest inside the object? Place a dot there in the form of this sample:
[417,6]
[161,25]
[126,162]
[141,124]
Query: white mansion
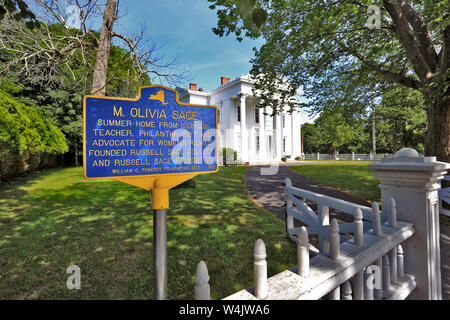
[243,127]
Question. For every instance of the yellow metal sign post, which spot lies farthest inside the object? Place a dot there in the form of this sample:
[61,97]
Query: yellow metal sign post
[136,141]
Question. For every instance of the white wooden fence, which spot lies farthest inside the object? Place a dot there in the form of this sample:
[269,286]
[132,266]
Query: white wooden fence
[319,224]
[377,256]
[343,156]
[344,269]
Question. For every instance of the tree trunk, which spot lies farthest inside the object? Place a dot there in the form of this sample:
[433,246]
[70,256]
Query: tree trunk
[438,131]
[76,155]
[103,50]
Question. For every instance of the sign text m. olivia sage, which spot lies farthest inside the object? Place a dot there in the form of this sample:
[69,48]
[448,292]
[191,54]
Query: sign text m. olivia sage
[151,135]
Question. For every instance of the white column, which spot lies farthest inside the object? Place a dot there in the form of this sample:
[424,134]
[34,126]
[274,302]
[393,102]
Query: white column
[244,133]
[297,134]
[294,136]
[269,131]
[229,122]
[278,137]
[262,136]
[413,182]
[229,127]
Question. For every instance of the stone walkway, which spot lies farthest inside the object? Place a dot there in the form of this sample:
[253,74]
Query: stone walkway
[268,192]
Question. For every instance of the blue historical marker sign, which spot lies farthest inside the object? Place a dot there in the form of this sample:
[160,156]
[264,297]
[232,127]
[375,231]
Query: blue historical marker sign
[151,135]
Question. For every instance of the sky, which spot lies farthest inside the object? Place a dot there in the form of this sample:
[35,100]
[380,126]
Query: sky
[186,28]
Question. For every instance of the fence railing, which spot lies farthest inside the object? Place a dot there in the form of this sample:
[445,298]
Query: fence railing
[318,224]
[344,156]
[368,266]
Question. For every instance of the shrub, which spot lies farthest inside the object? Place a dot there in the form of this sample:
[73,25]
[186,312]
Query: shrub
[227,154]
[283,159]
[298,158]
[26,138]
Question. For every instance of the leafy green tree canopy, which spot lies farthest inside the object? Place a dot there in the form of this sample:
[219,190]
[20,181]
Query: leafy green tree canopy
[319,45]
[19,10]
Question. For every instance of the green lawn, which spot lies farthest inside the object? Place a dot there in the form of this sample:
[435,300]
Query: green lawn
[51,220]
[350,176]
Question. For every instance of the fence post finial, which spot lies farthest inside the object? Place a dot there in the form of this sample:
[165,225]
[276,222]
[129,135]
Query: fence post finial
[260,269]
[303,253]
[202,289]
[287,182]
[392,212]
[376,218]
[358,227]
[335,246]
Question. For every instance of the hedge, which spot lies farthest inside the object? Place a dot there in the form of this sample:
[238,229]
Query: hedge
[28,141]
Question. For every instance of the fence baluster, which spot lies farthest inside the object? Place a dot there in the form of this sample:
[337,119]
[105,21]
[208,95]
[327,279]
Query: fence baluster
[386,273]
[401,270]
[202,288]
[358,285]
[376,218]
[379,292]
[335,294]
[335,252]
[392,213]
[377,231]
[260,269]
[335,247]
[323,219]
[368,288]
[289,204]
[358,235]
[393,262]
[303,253]
[347,291]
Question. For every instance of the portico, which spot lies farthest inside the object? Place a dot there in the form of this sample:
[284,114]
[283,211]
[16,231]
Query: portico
[253,132]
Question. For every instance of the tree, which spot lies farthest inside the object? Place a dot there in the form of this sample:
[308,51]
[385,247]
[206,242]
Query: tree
[28,141]
[401,120]
[59,98]
[306,42]
[51,64]
[311,138]
[57,49]
[19,10]
[335,132]
[104,49]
